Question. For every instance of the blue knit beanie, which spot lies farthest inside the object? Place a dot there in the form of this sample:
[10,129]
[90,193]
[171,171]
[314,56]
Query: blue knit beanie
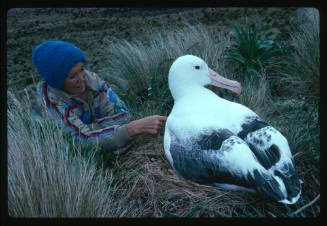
[54,59]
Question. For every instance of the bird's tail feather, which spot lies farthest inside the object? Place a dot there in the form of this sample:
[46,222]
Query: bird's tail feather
[286,190]
[292,183]
[272,190]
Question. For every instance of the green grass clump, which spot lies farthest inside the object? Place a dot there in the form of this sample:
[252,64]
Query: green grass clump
[136,66]
[45,178]
[298,120]
[305,40]
[302,80]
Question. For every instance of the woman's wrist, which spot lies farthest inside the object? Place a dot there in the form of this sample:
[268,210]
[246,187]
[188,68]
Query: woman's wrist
[132,129]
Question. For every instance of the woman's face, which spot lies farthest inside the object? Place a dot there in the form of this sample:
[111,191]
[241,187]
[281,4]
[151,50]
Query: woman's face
[75,81]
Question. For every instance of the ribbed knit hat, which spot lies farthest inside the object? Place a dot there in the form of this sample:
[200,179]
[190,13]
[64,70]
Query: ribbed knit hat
[54,59]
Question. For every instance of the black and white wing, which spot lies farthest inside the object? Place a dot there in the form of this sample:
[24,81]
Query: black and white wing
[220,158]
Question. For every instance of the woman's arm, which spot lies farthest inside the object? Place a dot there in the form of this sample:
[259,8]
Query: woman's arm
[110,137]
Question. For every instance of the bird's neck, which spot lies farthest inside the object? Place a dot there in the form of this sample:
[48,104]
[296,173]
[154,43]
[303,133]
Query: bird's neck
[179,93]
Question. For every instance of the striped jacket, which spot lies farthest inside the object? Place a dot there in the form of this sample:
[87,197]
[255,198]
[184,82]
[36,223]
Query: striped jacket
[100,119]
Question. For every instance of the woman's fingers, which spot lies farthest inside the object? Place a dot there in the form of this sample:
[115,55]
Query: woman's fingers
[150,124]
[161,118]
[156,122]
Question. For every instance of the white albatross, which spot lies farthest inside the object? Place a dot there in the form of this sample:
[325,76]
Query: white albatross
[221,143]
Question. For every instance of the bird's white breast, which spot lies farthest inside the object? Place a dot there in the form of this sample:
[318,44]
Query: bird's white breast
[205,111]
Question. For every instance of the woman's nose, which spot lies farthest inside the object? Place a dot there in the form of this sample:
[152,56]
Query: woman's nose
[81,76]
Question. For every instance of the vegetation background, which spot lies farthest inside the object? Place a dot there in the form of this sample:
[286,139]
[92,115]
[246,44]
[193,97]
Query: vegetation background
[273,52]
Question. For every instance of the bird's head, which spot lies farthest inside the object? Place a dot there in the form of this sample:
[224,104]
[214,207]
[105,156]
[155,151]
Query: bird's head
[189,70]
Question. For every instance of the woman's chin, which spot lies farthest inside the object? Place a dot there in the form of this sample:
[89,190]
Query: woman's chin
[79,91]
[82,90]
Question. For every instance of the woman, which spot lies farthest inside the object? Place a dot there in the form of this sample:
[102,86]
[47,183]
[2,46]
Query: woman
[82,103]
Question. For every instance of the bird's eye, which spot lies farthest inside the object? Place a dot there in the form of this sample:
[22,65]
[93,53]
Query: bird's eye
[197,67]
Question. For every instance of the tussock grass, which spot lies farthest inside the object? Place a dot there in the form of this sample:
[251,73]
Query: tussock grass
[133,67]
[301,79]
[299,122]
[257,96]
[302,74]
[45,178]
[306,41]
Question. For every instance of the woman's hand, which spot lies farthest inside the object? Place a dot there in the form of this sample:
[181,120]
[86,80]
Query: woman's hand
[150,124]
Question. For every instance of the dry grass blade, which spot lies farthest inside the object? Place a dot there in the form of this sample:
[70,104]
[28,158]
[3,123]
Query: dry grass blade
[307,205]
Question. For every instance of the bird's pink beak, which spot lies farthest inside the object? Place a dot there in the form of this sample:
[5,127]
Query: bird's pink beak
[220,81]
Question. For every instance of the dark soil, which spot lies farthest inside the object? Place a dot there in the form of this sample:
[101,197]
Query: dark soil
[90,28]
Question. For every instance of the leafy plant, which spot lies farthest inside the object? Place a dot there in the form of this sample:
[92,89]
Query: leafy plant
[250,51]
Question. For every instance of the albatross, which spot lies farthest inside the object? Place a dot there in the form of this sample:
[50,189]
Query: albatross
[223,144]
